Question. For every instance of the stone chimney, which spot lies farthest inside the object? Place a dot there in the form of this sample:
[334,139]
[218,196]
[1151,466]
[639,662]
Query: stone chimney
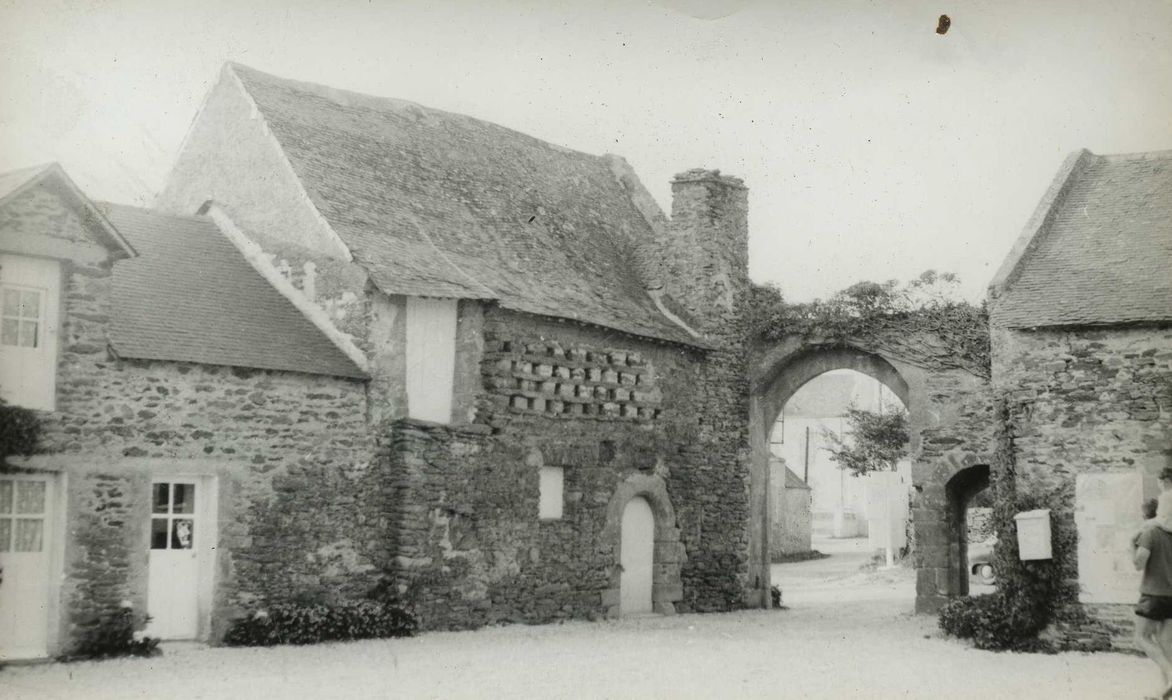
[704,254]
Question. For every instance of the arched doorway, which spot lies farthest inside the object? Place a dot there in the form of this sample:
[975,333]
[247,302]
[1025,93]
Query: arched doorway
[951,422]
[960,492]
[641,525]
[637,556]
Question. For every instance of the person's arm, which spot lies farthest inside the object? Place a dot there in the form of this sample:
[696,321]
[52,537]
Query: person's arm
[1140,557]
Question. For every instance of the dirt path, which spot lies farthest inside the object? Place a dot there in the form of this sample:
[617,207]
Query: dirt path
[827,645]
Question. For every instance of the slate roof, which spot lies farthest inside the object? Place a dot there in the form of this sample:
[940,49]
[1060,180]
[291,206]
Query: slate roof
[440,204]
[1099,249]
[191,296]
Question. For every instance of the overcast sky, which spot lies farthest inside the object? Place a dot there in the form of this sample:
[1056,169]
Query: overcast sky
[873,147]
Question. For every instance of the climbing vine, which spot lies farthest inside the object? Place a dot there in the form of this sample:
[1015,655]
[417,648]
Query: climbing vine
[885,313]
[1030,595]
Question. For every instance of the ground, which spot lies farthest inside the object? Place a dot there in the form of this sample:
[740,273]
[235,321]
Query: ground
[847,634]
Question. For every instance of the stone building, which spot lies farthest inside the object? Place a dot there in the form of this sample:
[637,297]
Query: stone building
[790,522]
[378,345]
[1081,323]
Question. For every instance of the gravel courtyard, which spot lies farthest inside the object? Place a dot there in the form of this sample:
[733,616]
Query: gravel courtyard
[846,634]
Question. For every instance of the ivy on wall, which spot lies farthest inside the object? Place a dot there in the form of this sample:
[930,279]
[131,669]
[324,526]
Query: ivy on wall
[887,313]
[1030,595]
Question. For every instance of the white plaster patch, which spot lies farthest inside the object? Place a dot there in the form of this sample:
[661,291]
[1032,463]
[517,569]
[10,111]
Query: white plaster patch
[1107,515]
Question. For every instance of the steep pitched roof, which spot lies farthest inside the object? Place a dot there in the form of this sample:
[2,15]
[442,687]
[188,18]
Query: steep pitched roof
[1098,250]
[440,204]
[14,182]
[192,297]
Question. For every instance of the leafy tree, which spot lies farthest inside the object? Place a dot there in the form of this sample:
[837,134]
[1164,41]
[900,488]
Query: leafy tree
[874,441]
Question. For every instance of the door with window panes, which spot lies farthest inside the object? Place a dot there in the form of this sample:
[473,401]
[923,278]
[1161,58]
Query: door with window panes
[176,531]
[28,330]
[25,502]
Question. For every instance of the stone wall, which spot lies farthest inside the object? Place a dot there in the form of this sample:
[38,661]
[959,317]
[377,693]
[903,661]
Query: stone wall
[791,522]
[472,549]
[292,453]
[1088,400]
[1091,403]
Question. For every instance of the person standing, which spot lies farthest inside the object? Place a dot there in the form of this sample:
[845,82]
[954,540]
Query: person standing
[1152,555]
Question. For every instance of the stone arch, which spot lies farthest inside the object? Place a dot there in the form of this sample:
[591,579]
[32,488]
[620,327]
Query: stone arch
[942,443]
[781,380]
[959,490]
[668,555]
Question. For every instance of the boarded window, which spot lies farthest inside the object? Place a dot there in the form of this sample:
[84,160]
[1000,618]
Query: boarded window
[28,330]
[552,491]
[431,358]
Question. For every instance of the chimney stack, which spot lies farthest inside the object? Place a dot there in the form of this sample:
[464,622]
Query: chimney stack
[704,258]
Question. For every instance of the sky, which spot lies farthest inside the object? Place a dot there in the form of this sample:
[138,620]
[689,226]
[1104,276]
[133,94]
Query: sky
[873,148]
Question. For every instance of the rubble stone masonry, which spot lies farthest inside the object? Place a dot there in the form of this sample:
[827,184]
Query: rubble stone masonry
[1084,401]
[471,547]
[292,454]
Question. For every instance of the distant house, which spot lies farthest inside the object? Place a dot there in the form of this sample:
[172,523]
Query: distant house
[365,344]
[1081,322]
[790,517]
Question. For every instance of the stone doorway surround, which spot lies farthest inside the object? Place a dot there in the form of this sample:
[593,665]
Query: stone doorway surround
[669,554]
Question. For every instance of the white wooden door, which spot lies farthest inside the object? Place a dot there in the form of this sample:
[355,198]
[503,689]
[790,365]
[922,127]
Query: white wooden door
[176,530]
[637,557]
[28,330]
[25,502]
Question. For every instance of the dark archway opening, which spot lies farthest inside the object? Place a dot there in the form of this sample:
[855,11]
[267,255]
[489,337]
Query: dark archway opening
[968,559]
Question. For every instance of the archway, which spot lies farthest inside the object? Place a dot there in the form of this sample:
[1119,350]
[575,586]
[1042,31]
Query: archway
[637,550]
[951,428]
[667,552]
[960,491]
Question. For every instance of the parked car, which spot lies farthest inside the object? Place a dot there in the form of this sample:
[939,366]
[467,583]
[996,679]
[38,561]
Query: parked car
[981,561]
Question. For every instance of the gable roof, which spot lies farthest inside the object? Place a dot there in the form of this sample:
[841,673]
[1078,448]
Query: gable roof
[1098,250]
[14,182]
[191,296]
[440,204]
[793,481]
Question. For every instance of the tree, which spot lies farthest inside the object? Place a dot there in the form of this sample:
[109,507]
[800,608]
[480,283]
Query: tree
[874,441]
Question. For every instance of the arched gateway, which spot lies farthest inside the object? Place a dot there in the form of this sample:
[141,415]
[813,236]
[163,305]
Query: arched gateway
[951,427]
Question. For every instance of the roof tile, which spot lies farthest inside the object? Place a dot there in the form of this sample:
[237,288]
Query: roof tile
[191,296]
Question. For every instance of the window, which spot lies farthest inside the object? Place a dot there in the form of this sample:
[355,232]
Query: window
[28,330]
[173,516]
[552,490]
[22,515]
[21,316]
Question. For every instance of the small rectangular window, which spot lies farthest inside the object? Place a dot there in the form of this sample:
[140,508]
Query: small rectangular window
[552,493]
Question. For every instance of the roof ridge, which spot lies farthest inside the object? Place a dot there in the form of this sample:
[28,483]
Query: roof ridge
[330,93]
[1136,155]
[158,212]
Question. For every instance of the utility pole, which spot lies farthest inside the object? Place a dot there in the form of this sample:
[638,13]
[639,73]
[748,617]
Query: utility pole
[806,461]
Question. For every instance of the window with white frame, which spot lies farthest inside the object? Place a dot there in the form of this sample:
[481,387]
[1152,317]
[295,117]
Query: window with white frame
[29,289]
[551,488]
